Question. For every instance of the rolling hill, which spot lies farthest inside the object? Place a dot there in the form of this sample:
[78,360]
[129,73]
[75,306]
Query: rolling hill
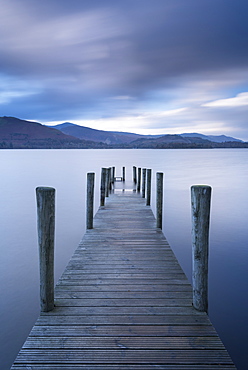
[116,138]
[17,133]
[86,133]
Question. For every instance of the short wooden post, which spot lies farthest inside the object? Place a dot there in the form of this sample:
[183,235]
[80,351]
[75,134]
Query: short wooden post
[148,187]
[107,183]
[123,174]
[143,182]
[134,174]
[139,179]
[90,199]
[45,198]
[159,199]
[103,184]
[110,180]
[200,201]
[113,175]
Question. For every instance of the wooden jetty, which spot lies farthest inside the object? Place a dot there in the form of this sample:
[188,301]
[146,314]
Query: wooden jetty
[123,302]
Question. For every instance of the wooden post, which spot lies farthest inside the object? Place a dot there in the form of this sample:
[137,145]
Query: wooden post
[113,175]
[200,201]
[45,198]
[139,179]
[123,174]
[110,180]
[103,184]
[107,183]
[159,199]
[143,182]
[148,188]
[90,199]
[134,174]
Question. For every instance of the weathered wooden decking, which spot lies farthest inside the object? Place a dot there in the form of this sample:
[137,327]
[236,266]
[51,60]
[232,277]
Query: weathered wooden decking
[123,302]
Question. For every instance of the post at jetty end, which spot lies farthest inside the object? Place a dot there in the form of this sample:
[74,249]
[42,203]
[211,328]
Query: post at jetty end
[90,199]
[159,199]
[123,174]
[143,182]
[135,174]
[148,187]
[139,180]
[103,186]
[200,201]
[45,197]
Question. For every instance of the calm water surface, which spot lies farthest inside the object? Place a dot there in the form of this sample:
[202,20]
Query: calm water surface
[23,170]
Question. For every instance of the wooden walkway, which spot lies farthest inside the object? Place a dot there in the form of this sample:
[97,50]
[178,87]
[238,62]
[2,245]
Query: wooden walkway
[123,302]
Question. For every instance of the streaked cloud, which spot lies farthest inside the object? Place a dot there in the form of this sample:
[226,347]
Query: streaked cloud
[238,101]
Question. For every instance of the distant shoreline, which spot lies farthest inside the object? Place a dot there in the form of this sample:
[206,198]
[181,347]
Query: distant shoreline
[231,145]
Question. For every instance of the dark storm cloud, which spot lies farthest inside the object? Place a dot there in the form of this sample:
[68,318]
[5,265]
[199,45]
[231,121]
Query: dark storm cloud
[77,59]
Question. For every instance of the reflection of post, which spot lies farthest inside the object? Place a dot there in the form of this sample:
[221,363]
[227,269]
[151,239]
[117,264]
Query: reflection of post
[200,200]
[159,199]
[139,180]
[143,182]
[45,197]
[103,184]
[123,174]
[134,174]
[90,199]
[148,188]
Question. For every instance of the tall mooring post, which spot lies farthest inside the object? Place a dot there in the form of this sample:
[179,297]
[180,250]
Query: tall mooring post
[148,187]
[134,174]
[113,175]
[90,199]
[109,179]
[139,179]
[103,186]
[123,174]
[107,182]
[45,197]
[143,182]
[159,199]
[200,201]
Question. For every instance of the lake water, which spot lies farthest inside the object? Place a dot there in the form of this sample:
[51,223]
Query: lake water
[223,169]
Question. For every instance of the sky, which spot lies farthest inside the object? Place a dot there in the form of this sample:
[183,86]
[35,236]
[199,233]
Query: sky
[143,66]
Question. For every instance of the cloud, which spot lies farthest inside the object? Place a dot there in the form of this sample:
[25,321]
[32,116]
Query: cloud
[238,101]
[11,89]
[103,61]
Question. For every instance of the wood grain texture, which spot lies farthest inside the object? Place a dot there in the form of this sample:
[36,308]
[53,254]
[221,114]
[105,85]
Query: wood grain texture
[123,302]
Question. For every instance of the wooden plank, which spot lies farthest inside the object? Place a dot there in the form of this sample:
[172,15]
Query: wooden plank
[187,310]
[126,342]
[145,289]
[124,356]
[128,282]
[111,302]
[123,320]
[122,330]
[126,367]
[126,295]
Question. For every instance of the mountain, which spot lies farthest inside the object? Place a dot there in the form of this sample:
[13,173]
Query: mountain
[214,138]
[169,141]
[21,134]
[107,137]
[17,133]
[116,138]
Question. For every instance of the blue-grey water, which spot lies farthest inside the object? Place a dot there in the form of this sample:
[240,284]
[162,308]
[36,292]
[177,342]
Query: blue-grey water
[223,169]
